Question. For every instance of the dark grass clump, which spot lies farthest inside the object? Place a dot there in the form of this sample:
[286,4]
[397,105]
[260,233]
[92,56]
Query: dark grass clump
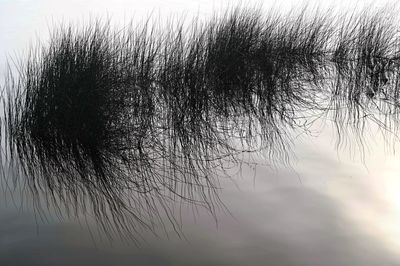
[94,129]
[124,124]
[366,65]
[77,117]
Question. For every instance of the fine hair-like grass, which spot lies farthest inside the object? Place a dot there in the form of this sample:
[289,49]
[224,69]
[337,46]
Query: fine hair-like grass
[123,124]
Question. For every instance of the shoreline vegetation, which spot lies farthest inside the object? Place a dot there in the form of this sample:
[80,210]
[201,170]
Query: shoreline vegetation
[120,125]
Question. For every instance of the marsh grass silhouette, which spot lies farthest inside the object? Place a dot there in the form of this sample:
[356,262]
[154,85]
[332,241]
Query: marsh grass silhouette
[122,124]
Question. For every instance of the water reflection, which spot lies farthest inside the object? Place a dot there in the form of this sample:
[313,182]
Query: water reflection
[279,220]
[123,126]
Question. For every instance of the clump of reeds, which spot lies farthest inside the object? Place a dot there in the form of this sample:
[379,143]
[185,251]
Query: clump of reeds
[94,128]
[123,123]
[365,68]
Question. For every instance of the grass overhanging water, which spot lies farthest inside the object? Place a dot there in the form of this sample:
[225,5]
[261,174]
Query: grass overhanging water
[122,124]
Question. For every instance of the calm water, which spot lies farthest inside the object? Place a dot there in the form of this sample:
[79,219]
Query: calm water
[332,207]
[330,210]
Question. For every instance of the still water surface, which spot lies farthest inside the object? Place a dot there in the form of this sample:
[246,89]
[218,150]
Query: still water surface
[332,207]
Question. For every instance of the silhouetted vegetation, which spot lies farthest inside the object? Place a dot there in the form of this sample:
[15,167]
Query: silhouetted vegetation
[120,124]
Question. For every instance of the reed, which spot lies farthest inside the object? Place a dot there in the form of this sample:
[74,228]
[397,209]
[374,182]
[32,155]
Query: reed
[123,123]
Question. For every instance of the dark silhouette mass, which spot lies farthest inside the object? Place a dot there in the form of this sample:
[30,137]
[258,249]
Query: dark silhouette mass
[120,124]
